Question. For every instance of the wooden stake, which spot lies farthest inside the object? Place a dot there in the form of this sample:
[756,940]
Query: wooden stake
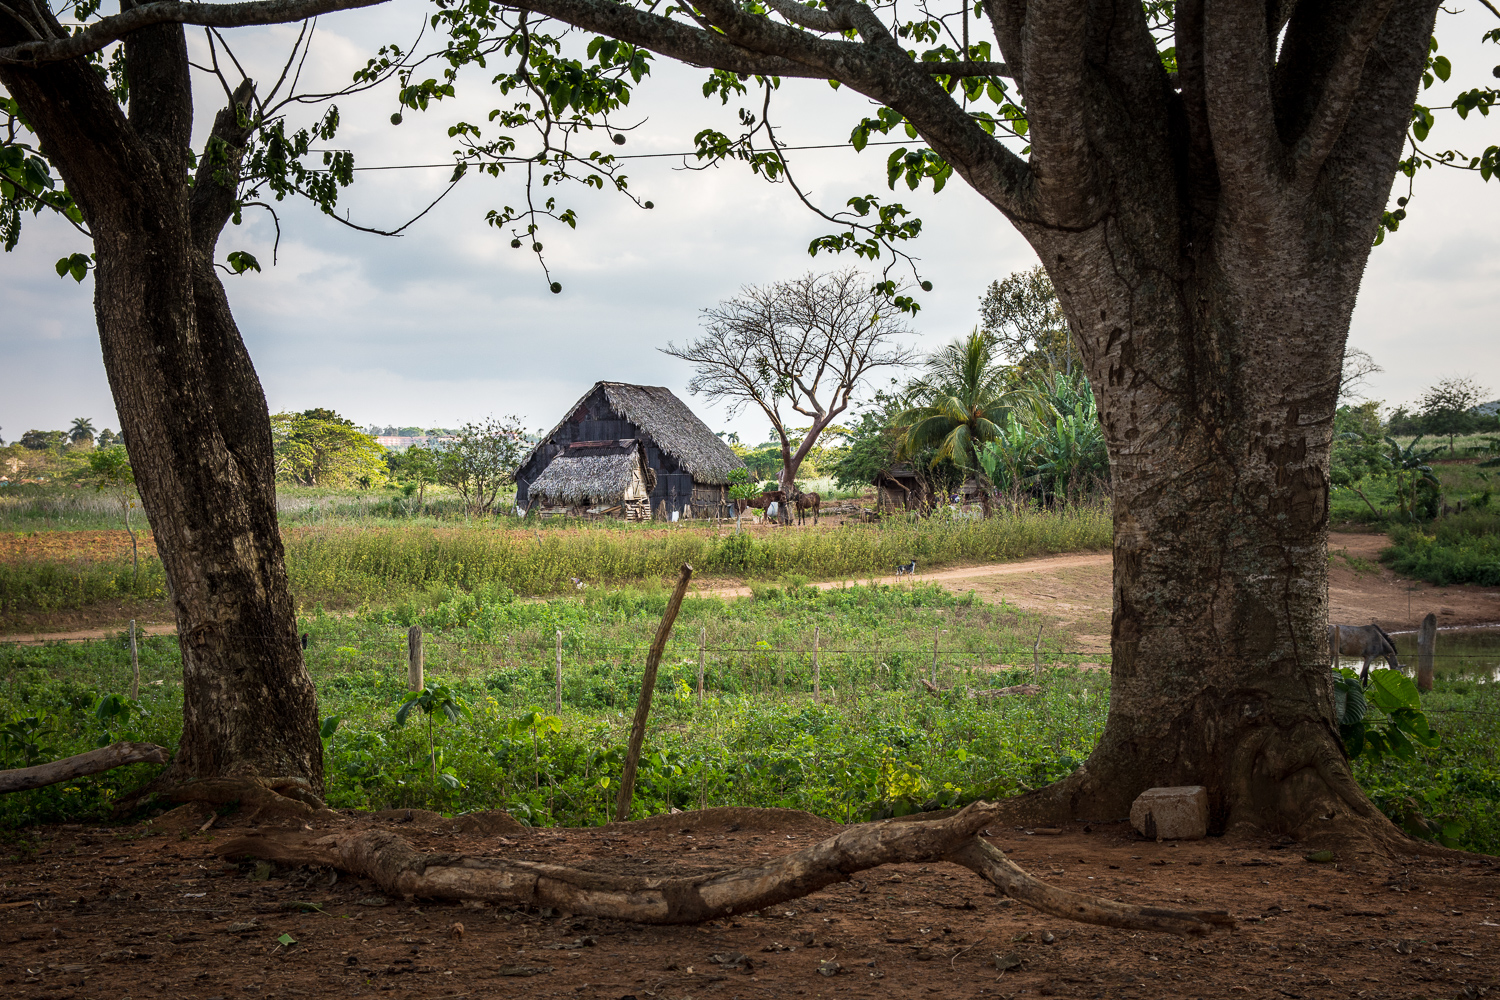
[414,658]
[702,646]
[1036,656]
[817,672]
[934,653]
[648,687]
[1426,647]
[135,666]
[559,671]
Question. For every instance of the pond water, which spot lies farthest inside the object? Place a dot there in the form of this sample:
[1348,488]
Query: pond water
[1461,653]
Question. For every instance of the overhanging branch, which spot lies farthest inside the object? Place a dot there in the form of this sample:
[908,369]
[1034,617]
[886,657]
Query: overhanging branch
[112,29]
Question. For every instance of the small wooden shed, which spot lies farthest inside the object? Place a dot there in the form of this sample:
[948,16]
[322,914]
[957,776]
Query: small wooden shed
[684,465]
[605,478]
[900,488]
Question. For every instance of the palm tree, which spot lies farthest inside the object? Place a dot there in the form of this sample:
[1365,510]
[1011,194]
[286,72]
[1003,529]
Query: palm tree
[961,402]
[82,429]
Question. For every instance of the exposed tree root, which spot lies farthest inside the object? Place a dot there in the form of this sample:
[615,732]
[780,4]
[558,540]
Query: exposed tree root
[399,869]
[80,765]
[259,798]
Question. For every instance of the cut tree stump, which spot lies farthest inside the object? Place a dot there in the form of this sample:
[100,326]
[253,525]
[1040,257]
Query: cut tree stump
[95,761]
[401,870]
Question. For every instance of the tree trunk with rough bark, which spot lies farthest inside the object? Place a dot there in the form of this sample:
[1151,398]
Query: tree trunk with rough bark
[187,395]
[1212,295]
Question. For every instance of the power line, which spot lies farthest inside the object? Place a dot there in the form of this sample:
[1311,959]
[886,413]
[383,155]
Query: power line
[619,156]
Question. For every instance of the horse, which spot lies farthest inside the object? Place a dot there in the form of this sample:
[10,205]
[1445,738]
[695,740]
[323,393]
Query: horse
[757,503]
[805,501]
[1368,641]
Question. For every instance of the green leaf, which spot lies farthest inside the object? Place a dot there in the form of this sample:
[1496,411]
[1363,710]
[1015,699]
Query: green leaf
[1442,67]
[240,262]
[286,940]
[329,727]
[1391,690]
[405,709]
[76,265]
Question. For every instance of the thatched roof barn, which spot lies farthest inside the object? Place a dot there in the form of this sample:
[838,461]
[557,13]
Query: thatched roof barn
[685,466]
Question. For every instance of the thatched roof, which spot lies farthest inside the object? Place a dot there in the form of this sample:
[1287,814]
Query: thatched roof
[673,427]
[588,475]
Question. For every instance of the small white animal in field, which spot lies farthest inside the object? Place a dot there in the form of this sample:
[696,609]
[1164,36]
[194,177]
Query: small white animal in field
[577,583]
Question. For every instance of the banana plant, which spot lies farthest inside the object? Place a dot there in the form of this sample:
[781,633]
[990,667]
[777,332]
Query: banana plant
[1411,470]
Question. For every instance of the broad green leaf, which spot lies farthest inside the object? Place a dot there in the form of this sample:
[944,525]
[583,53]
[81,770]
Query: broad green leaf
[1391,690]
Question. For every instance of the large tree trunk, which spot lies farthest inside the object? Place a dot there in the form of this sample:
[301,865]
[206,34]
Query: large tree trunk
[1212,301]
[189,402]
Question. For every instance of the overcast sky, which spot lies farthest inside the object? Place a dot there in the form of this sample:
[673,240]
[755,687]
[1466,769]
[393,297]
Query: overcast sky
[447,323]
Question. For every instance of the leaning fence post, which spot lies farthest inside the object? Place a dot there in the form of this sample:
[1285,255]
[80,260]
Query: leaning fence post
[414,658]
[135,666]
[643,704]
[702,646]
[817,672]
[559,671]
[1426,643]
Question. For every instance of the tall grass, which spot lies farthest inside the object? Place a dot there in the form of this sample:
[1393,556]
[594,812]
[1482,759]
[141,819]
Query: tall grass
[382,560]
[1463,548]
[343,563]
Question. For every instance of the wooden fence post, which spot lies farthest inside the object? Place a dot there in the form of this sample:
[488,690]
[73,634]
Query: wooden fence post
[135,666]
[817,670]
[1036,656]
[559,671]
[414,680]
[702,646]
[648,687]
[934,654]
[1426,643]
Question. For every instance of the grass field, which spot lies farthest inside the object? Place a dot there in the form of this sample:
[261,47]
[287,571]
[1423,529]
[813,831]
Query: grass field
[873,743]
[343,561]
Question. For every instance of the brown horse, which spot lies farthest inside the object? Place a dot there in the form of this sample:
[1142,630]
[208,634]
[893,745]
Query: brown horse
[805,502]
[757,503]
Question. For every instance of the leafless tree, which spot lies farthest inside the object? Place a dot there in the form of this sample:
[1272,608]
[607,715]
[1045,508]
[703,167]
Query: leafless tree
[1358,366]
[795,347]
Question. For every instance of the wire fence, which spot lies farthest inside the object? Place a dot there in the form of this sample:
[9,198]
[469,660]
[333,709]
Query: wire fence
[586,674]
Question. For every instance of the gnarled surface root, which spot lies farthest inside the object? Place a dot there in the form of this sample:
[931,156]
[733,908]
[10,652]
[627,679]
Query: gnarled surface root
[399,869]
[990,862]
[259,798]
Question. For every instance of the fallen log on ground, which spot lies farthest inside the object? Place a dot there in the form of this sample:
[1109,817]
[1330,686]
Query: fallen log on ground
[401,870]
[83,764]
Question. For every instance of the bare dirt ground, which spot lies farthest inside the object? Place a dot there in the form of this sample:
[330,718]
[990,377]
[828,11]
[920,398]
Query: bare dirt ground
[128,912]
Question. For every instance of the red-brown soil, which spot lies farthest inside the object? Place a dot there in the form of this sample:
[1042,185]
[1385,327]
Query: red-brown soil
[123,912]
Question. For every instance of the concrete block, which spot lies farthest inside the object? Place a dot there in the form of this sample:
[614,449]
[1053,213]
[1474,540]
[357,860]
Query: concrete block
[1179,813]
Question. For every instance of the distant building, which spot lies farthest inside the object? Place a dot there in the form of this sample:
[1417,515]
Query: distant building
[397,442]
[631,451]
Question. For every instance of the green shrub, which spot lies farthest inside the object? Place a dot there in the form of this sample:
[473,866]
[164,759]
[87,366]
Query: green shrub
[1463,548]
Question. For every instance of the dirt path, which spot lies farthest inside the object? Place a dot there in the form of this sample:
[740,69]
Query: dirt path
[89,912]
[1043,564]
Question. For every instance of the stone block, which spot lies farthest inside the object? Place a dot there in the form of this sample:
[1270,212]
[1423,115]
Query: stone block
[1179,813]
